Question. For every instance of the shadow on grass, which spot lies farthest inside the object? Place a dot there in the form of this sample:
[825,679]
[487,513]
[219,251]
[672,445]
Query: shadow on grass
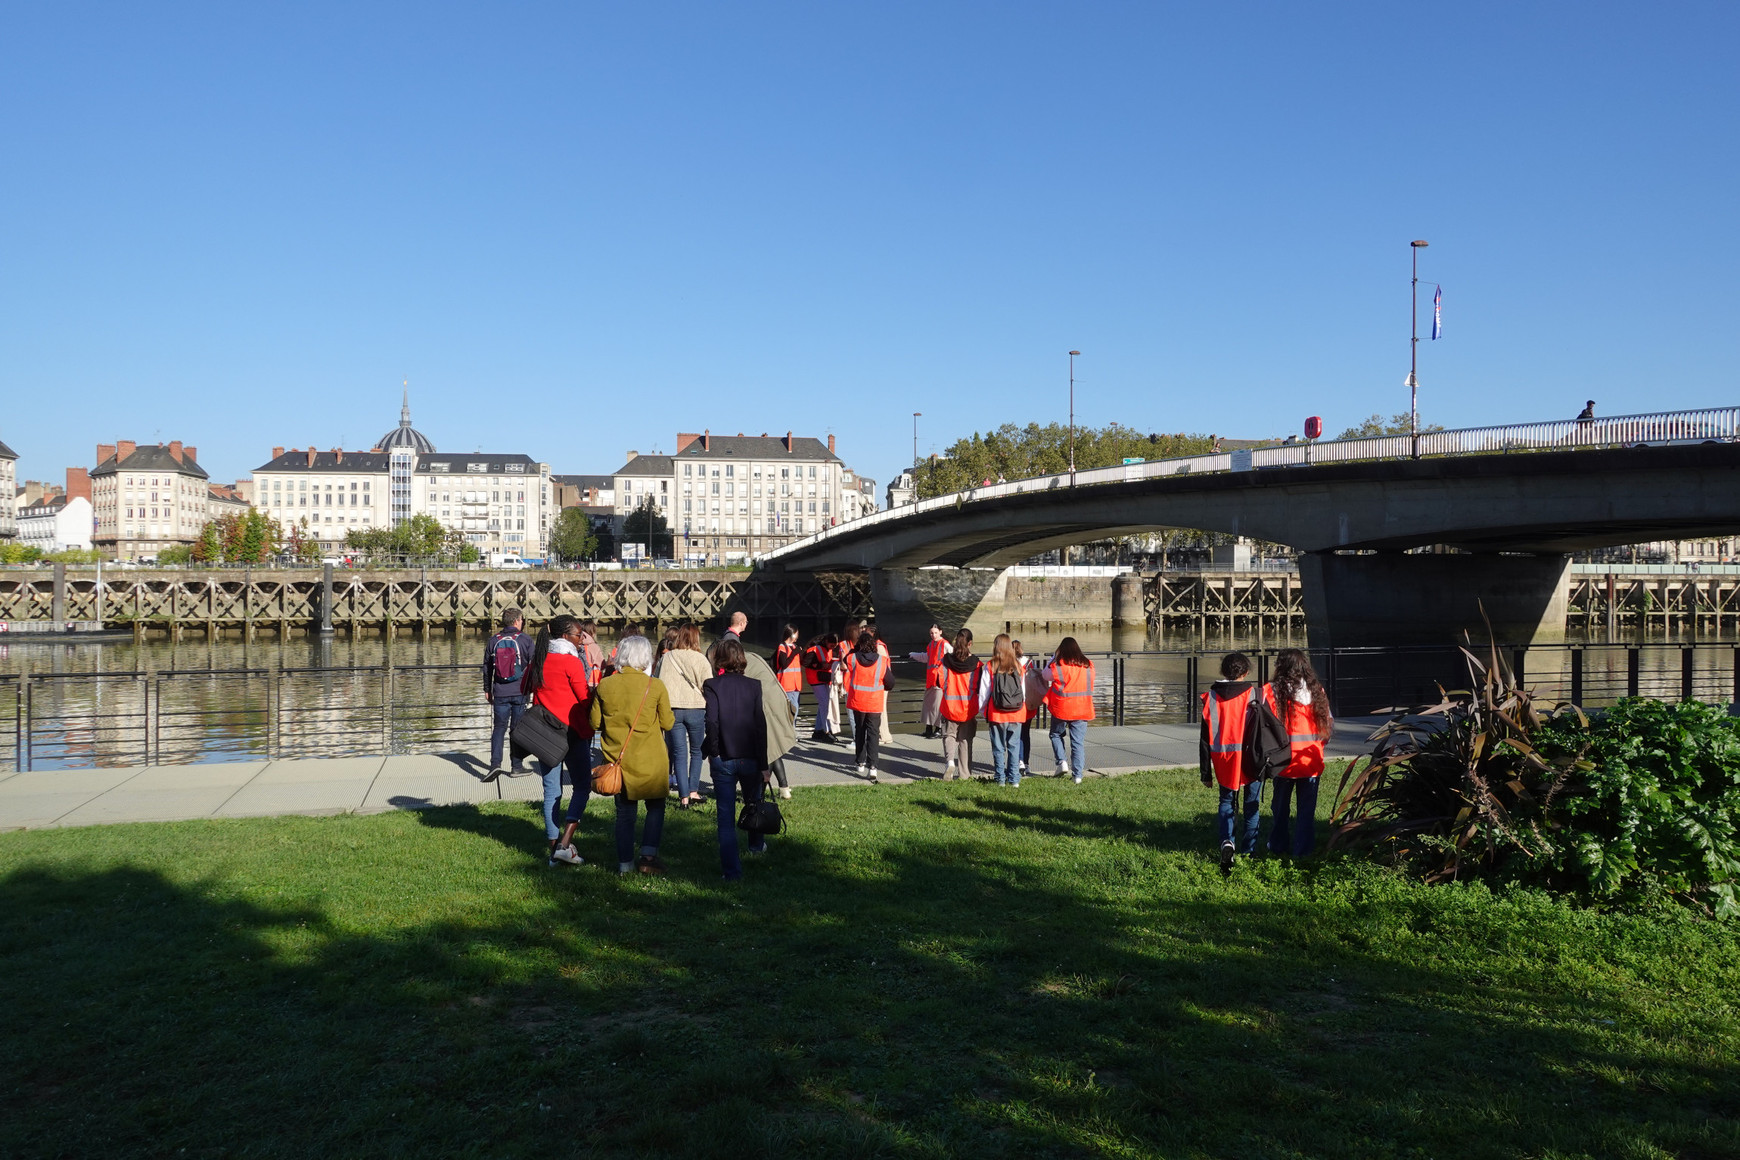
[1156,833]
[926,1000]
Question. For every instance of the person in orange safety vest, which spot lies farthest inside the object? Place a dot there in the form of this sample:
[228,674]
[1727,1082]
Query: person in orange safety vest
[1069,698]
[865,676]
[788,666]
[932,657]
[1304,709]
[964,689]
[1224,710]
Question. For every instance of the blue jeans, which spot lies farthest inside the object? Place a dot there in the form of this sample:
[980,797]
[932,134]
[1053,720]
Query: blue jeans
[1246,843]
[649,838]
[1006,752]
[791,696]
[506,711]
[684,743]
[1297,835]
[579,773]
[728,777]
[1076,751]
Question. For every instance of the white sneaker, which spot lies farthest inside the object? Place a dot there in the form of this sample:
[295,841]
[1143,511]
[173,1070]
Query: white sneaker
[872,775]
[863,769]
[785,792]
[1023,769]
[566,854]
[1078,779]
[949,773]
[1063,770]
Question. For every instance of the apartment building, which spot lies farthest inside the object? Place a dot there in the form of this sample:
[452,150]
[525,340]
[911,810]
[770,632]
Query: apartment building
[500,502]
[729,497]
[8,492]
[146,497]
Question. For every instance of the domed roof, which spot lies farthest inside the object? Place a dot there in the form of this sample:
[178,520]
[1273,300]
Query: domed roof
[405,435]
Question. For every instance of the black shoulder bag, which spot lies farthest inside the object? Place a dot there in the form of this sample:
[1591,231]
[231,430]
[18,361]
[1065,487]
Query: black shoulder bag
[762,817]
[542,734]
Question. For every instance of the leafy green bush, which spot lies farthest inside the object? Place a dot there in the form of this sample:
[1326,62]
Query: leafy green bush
[1634,806]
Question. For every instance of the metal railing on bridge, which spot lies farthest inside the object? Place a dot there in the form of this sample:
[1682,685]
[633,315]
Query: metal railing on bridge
[1720,424]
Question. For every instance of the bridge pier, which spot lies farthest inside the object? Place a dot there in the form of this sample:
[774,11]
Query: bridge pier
[909,600]
[1393,598]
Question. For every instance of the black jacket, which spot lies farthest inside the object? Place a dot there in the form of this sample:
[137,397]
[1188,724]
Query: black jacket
[736,722]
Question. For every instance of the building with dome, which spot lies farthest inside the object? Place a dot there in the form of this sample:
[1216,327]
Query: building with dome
[501,502]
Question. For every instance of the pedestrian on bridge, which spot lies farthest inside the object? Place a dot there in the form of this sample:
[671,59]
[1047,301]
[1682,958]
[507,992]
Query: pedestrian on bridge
[505,658]
[964,689]
[932,659]
[1069,697]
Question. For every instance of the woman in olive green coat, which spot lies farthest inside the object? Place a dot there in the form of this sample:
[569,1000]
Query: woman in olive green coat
[631,698]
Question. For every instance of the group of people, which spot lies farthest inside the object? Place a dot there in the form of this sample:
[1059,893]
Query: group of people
[662,713]
[654,715]
[1007,690]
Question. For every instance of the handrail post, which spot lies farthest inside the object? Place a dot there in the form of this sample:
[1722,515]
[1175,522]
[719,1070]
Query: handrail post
[1577,676]
[1688,674]
[1633,658]
[24,710]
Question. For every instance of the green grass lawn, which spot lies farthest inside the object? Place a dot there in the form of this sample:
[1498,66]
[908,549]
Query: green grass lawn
[936,970]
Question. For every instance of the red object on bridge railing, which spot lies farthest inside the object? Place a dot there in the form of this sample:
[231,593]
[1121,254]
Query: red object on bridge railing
[1314,427]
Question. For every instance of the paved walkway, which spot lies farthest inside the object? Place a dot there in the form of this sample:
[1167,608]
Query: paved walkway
[371,784]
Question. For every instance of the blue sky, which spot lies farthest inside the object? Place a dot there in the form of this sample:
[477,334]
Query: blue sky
[577,229]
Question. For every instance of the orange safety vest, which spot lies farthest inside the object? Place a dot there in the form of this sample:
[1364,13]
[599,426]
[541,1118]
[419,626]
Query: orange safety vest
[933,659]
[823,673]
[1307,743]
[1226,733]
[1005,716]
[788,667]
[1071,697]
[865,691]
[960,694]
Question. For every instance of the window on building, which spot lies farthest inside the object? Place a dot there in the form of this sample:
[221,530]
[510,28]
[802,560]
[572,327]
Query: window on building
[688,470]
[785,473]
[730,469]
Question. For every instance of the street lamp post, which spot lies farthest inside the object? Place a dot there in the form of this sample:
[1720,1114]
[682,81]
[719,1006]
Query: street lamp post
[916,415]
[1414,350]
[1072,355]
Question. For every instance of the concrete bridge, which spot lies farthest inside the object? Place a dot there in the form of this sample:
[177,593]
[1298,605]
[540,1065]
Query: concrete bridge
[1498,509]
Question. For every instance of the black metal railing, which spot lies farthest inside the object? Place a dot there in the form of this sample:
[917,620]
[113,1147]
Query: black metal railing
[176,717]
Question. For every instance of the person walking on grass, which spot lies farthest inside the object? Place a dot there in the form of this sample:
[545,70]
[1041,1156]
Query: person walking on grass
[1005,710]
[964,690]
[780,715]
[866,679]
[736,745]
[1069,697]
[932,658]
[630,710]
[1225,709]
[683,670]
[505,658]
[1304,709]
[556,679]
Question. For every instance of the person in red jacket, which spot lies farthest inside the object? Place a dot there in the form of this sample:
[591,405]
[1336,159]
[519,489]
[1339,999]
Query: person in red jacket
[557,679]
[1304,709]
[1224,708]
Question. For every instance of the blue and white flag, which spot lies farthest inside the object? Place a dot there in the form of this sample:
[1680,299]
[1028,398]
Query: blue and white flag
[1438,314]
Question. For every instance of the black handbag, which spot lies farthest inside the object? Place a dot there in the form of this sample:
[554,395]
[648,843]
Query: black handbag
[542,734]
[762,817]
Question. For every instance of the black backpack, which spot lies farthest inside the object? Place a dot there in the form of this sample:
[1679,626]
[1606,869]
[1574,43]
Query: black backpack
[1267,748]
[1007,691]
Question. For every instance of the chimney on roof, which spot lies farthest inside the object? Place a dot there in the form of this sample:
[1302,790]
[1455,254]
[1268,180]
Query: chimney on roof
[788,441]
[277,452]
[78,483]
[684,438]
[105,452]
[632,456]
[124,448]
[830,445]
[311,455]
[190,454]
[707,439]
[338,455]
[175,450]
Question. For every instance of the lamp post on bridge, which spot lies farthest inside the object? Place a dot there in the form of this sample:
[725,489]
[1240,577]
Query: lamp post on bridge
[916,415]
[1414,248]
[1072,355]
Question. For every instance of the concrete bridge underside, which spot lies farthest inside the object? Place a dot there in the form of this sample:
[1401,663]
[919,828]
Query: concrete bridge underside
[1511,517]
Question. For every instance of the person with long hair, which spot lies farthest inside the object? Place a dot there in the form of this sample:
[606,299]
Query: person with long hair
[1033,683]
[964,690]
[684,669]
[1005,710]
[1069,697]
[788,666]
[1225,709]
[866,680]
[1304,710]
[630,709]
[780,716]
[932,658]
[556,678]
[736,744]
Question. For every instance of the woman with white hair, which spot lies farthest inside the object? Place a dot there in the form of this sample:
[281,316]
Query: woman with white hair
[631,712]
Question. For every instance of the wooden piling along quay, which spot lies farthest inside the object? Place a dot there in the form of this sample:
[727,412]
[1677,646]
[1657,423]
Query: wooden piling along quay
[1256,603]
[282,601]
[1656,601]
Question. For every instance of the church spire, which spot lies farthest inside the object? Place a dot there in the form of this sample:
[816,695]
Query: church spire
[405,406]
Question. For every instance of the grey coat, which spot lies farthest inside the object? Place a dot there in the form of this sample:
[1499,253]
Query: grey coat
[781,736]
